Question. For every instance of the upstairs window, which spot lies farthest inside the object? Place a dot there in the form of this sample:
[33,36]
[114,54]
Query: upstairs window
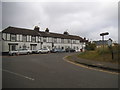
[55,40]
[33,39]
[74,42]
[69,41]
[44,39]
[8,36]
[62,40]
[13,37]
[4,36]
[24,38]
[39,39]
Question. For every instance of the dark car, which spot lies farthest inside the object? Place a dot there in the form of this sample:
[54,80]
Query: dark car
[57,50]
[70,50]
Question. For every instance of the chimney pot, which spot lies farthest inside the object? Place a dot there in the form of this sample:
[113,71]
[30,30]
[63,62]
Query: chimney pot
[36,28]
[47,30]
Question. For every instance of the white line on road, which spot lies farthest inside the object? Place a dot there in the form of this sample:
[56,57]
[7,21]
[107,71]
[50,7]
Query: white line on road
[20,75]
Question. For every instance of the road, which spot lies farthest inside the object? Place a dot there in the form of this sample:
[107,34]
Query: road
[51,71]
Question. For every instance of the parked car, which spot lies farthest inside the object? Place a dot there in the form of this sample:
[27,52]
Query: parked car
[20,51]
[34,51]
[77,50]
[57,50]
[53,51]
[70,50]
[44,50]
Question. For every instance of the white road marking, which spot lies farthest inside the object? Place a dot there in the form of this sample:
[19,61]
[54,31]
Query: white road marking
[20,75]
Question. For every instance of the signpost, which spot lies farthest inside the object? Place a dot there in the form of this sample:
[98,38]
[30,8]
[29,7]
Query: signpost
[103,34]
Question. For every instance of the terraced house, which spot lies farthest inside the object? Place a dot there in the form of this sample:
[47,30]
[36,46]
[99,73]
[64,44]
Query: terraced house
[14,38]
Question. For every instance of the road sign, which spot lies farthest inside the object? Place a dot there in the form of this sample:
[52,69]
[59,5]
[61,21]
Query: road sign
[102,34]
[109,42]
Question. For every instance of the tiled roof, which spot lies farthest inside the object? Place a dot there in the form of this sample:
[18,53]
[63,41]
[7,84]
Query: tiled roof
[56,35]
[15,30]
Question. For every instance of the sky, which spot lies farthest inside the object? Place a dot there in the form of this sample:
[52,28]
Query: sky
[84,18]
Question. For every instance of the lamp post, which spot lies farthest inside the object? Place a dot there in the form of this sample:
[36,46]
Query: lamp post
[103,34]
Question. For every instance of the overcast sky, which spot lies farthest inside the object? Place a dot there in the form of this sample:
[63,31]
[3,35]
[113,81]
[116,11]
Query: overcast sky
[86,19]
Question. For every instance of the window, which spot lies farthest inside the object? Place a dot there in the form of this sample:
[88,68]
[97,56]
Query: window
[49,39]
[39,39]
[44,39]
[36,38]
[28,38]
[13,37]
[62,40]
[24,38]
[65,40]
[59,40]
[4,36]
[69,41]
[20,36]
[74,42]
[55,40]
[33,39]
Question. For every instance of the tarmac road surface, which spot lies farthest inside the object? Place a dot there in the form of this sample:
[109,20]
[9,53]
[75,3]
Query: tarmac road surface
[51,71]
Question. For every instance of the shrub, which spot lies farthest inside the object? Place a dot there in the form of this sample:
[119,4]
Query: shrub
[90,46]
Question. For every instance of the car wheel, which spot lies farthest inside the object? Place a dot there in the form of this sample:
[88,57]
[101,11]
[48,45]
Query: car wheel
[13,54]
[28,53]
[17,54]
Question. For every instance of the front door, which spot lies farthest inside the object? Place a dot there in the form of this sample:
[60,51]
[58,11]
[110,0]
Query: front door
[12,47]
[33,47]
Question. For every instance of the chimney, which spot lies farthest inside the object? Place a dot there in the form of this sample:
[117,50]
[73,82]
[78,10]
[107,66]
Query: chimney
[36,28]
[84,38]
[66,33]
[47,30]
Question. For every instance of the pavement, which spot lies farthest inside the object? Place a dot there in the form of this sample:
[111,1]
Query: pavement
[96,64]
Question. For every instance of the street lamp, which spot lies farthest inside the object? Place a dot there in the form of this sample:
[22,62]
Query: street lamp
[103,34]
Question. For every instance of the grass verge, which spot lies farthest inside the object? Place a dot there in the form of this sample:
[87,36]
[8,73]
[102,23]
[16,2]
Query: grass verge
[99,55]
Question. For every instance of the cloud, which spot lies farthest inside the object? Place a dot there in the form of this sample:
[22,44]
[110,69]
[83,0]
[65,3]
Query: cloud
[86,19]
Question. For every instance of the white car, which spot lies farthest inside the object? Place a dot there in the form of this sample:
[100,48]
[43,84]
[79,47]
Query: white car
[20,51]
[77,50]
[44,50]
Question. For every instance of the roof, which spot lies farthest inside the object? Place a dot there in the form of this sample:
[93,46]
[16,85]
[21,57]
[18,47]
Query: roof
[15,30]
[57,35]
[100,42]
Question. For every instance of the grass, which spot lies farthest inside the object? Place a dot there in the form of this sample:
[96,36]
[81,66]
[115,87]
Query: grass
[98,55]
